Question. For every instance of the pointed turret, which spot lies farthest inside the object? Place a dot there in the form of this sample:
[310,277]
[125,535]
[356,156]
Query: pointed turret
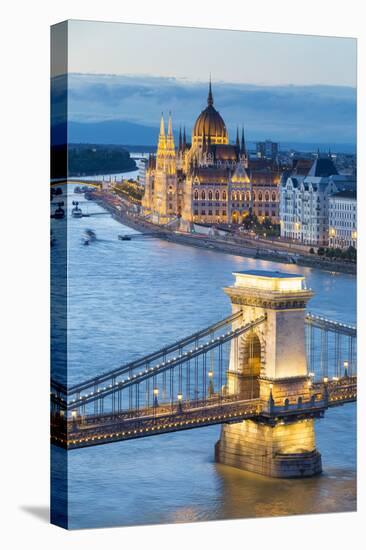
[210,96]
[170,125]
[237,137]
[170,159]
[180,139]
[243,148]
[184,139]
[162,139]
[170,137]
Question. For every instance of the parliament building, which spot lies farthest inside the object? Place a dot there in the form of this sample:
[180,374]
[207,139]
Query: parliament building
[209,180]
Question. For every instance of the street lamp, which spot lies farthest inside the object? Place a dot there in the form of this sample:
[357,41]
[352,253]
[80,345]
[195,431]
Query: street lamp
[325,380]
[180,397]
[270,400]
[156,393]
[211,388]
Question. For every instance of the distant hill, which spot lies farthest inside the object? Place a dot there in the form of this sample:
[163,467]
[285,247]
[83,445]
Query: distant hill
[120,132]
[87,159]
[112,132]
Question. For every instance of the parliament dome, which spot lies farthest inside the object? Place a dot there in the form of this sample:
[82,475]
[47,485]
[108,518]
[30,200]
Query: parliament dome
[210,124]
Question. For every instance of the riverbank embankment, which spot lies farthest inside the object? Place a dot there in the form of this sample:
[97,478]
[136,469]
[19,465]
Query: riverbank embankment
[227,245]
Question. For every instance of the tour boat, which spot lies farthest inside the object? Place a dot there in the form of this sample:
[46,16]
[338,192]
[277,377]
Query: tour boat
[76,212]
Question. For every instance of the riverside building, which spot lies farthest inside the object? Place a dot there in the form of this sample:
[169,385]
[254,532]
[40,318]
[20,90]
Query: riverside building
[305,201]
[343,219]
[208,180]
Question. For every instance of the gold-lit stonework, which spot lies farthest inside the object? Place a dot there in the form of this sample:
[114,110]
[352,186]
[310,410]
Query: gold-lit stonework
[269,363]
[209,180]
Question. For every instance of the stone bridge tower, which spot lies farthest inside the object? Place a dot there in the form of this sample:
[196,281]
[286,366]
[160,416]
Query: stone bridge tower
[269,363]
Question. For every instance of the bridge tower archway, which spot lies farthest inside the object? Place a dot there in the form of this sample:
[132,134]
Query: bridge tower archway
[269,363]
[251,355]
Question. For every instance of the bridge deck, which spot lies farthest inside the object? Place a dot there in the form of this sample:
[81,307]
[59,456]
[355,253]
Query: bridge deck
[107,428]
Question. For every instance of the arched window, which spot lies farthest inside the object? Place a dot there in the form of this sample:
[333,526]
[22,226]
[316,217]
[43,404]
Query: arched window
[224,196]
[260,196]
[273,196]
[254,197]
[247,197]
[217,195]
[266,196]
[196,194]
[210,195]
[233,196]
[203,195]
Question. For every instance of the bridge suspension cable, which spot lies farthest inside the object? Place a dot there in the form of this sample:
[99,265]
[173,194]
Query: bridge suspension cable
[153,356]
[150,372]
[331,348]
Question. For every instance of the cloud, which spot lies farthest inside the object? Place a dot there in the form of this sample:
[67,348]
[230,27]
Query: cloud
[285,113]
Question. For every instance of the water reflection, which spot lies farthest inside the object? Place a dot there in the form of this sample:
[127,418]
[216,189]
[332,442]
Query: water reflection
[128,298]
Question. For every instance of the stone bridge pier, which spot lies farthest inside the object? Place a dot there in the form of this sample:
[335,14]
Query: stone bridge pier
[270,363]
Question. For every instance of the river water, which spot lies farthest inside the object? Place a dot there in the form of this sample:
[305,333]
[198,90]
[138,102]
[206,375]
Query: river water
[127,298]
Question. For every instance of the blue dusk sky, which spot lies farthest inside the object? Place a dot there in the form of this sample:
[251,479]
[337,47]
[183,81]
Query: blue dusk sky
[285,87]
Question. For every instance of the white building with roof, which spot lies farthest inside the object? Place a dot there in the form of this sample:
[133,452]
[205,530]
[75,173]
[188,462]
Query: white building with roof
[304,202]
[343,219]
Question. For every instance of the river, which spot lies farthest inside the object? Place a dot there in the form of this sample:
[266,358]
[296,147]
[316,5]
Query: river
[127,298]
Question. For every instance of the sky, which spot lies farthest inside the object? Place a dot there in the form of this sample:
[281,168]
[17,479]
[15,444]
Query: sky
[231,56]
[284,87]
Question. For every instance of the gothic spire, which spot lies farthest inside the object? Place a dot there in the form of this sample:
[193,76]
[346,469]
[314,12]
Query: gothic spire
[180,138]
[243,148]
[210,96]
[237,137]
[170,137]
[162,139]
[162,127]
[184,139]
[170,126]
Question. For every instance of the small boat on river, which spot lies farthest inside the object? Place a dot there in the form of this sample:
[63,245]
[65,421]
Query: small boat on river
[76,212]
[89,236]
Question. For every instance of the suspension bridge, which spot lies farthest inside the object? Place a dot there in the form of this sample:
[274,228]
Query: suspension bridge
[270,362]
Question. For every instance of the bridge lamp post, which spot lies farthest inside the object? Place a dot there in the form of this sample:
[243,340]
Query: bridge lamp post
[180,398]
[270,400]
[73,417]
[211,389]
[156,393]
[345,365]
[325,380]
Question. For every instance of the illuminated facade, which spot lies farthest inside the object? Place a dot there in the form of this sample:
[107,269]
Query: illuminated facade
[343,219]
[208,180]
[305,199]
[270,364]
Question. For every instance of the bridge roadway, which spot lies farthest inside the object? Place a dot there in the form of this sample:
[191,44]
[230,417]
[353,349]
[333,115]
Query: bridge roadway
[92,430]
